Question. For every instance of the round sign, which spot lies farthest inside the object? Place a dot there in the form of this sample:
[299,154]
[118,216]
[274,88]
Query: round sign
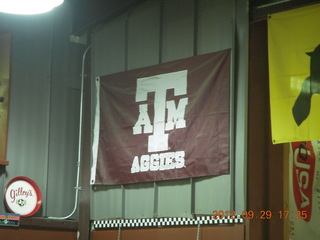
[23,196]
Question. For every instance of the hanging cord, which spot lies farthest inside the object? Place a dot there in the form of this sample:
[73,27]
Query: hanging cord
[77,187]
[198,231]
[119,232]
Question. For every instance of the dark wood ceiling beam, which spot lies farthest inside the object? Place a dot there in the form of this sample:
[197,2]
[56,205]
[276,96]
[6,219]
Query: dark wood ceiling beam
[264,10]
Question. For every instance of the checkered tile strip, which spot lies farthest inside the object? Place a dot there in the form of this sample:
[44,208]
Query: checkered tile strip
[162,222]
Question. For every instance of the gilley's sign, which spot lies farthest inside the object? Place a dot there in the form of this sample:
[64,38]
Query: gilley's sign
[23,196]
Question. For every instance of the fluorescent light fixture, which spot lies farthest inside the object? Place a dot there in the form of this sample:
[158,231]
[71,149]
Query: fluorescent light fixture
[27,7]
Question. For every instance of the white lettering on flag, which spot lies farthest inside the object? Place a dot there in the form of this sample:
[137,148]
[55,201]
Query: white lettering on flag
[159,84]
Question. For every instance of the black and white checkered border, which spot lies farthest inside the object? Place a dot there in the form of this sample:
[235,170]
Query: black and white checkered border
[162,222]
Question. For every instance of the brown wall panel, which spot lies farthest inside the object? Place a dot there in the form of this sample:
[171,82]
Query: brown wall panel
[5,60]
[258,128]
[32,234]
[265,160]
[227,232]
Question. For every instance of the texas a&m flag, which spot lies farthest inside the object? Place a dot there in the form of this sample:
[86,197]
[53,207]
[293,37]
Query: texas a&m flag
[168,121]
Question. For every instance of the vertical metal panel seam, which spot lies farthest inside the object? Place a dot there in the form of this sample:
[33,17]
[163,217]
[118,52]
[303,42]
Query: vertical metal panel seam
[241,84]
[246,99]
[45,210]
[123,202]
[161,30]
[193,197]
[155,199]
[155,185]
[232,107]
[195,52]
[195,27]
[126,40]
[126,49]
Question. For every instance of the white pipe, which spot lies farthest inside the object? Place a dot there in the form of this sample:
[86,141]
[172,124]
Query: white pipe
[78,188]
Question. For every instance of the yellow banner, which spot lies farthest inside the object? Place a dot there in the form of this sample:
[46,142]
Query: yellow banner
[294,71]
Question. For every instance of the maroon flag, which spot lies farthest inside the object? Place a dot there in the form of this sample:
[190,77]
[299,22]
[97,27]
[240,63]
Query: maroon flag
[168,121]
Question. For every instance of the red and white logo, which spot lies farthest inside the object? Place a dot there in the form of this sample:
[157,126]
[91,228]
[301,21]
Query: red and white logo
[303,176]
[23,196]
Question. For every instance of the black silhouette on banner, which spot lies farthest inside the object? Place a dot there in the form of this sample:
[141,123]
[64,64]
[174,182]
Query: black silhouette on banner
[310,86]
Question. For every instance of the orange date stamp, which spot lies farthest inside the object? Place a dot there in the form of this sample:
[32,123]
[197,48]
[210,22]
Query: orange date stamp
[263,214]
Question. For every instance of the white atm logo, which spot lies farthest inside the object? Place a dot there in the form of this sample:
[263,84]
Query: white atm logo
[158,140]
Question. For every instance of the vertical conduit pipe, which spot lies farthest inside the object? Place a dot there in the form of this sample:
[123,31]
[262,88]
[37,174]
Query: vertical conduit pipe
[78,187]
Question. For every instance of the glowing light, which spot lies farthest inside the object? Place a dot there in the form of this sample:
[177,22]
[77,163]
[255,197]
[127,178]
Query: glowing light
[27,7]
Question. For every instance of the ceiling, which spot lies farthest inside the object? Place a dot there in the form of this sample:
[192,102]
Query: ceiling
[88,13]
